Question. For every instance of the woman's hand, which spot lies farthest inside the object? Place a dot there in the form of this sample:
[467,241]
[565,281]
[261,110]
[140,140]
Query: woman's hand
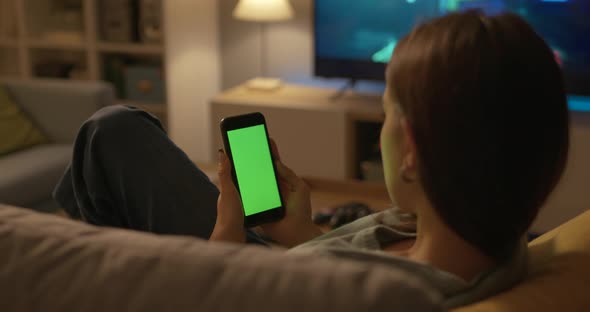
[296,227]
[229,225]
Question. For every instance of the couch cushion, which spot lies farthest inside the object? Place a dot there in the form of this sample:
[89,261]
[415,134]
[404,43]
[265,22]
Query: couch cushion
[29,176]
[49,263]
[17,130]
[60,106]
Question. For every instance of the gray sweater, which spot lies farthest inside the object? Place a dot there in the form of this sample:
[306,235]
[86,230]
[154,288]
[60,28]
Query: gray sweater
[363,239]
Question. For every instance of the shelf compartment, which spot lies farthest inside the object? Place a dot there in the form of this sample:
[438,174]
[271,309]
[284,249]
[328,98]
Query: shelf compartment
[9,62]
[8,43]
[128,22]
[61,23]
[62,64]
[130,48]
[8,22]
[130,73]
[55,45]
[367,151]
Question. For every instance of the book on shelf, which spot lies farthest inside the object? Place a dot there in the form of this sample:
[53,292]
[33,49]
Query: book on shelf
[65,22]
[150,21]
[131,21]
[118,20]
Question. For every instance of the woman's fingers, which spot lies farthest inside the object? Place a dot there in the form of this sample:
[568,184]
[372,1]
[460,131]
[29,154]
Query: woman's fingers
[274,150]
[288,175]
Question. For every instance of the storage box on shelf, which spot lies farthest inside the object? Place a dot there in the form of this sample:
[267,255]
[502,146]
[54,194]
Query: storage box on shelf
[139,80]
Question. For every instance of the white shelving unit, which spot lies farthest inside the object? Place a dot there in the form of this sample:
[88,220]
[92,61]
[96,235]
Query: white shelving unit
[27,43]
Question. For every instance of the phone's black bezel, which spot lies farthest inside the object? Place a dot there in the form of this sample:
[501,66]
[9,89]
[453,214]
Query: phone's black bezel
[243,121]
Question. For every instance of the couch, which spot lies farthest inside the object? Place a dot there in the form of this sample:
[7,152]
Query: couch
[50,263]
[58,108]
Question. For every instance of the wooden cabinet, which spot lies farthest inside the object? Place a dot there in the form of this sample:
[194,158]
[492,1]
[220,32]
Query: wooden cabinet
[316,132]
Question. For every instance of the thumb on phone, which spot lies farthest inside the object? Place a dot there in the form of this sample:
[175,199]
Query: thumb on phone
[289,177]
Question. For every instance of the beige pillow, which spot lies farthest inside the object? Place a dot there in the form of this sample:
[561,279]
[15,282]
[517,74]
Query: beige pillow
[17,130]
[558,277]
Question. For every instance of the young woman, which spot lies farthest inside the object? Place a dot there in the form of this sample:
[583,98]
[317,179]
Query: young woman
[475,138]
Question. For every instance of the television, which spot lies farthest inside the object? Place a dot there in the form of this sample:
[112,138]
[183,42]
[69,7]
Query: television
[354,39]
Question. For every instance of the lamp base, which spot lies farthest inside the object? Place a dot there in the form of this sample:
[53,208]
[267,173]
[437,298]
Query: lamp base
[264,84]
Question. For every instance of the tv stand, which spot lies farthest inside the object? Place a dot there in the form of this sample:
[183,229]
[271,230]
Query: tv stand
[318,135]
[350,84]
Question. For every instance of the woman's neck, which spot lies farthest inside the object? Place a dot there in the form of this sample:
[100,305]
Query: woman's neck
[437,245]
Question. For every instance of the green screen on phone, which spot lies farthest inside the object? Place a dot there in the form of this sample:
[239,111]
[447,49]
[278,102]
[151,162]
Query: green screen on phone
[255,174]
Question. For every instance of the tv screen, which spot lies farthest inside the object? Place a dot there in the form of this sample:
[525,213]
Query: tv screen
[354,39]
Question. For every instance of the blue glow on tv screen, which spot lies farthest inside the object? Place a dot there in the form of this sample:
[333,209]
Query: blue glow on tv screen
[355,38]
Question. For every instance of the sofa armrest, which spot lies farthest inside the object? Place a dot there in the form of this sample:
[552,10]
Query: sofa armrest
[60,107]
[558,276]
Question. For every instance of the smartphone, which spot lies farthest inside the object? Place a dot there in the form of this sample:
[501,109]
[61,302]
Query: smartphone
[246,142]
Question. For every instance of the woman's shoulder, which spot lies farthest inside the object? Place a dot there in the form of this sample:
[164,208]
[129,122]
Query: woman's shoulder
[396,219]
[369,232]
[391,217]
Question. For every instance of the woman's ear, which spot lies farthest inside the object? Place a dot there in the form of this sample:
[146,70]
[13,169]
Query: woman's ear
[409,159]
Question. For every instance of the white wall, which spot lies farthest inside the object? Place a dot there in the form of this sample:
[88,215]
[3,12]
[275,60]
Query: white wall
[289,49]
[240,46]
[289,46]
[193,70]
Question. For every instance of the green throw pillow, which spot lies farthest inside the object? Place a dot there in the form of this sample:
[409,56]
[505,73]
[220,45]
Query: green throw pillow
[17,130]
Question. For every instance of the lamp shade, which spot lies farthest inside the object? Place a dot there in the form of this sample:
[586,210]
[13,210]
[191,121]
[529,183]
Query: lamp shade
[263,10]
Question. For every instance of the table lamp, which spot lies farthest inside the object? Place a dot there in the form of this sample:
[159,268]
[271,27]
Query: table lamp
[263,12]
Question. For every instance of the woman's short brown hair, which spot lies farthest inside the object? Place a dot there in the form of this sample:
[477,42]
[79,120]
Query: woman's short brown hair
[486,101]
